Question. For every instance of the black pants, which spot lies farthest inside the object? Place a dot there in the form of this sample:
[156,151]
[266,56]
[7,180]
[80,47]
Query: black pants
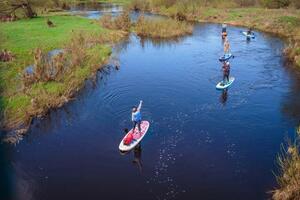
[226,77]
[137,123]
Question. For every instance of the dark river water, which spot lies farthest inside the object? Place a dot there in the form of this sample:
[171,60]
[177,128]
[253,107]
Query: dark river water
[202,143]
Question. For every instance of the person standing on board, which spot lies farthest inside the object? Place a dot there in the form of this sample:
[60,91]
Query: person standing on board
[224,31]
[136,116]
[226,47]
[226,72]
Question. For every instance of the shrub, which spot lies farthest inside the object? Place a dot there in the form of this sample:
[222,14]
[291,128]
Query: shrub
[275,3]
[288,180]
[296,3]
[139,5]
[122,22]
[161,28]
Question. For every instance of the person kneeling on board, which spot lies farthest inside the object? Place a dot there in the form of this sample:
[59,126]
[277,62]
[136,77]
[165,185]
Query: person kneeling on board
[249,32]
[136,116]
[226,72]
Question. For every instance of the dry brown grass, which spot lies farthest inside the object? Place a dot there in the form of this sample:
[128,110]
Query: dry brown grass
[77,49]
[122,22]
[162,28]
[289,177]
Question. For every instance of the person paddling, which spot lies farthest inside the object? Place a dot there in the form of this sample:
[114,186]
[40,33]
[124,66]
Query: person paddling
[249,32]
[224,31]
[226,47]
[136,116]
[226,72]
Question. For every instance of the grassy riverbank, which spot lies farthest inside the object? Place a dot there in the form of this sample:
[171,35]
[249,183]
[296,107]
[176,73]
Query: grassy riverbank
[288,179]
[284,22]
[146,27]
[19,101]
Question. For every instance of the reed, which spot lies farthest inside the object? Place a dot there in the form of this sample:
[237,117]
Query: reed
[289,175]
[161,28]
[122,22]
[76,49]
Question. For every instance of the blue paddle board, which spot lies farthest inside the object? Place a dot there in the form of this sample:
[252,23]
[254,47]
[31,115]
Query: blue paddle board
[226,57]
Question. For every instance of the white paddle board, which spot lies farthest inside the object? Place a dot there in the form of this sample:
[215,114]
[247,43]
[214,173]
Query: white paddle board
[252,36]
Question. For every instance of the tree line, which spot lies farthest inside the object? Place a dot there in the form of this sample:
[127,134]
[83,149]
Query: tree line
[240,3]
[9,8]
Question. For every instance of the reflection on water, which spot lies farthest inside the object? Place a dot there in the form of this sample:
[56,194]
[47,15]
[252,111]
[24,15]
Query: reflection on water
[6,174]
[160,43]
[96,10]
[224,96]
[291,104]
[97,6]
[137,152]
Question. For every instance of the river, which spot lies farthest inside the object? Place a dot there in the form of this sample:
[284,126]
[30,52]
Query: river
[202,143]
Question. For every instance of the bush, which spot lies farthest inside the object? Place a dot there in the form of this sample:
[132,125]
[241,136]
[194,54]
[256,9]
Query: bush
[296,3]
[275,3]
[122,22]
[161,28]
[139,5]
[288,179]
[245,2]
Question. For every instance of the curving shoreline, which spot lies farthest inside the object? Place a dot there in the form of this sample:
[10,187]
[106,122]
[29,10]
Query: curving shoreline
[282,22]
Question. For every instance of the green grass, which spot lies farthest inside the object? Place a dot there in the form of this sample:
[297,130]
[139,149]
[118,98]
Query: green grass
[290,20]
[25,35]
[17,105]
[210,12]
[22,38]
[52,87]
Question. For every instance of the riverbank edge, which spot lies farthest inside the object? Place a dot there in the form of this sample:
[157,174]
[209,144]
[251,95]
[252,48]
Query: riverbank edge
[284,31]
[13,130]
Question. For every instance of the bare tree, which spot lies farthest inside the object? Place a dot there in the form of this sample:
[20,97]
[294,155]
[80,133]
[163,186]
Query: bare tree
[9,7]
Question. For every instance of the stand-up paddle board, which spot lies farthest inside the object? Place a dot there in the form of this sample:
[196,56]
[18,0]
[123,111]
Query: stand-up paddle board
[137,137]
[221,85]
[226,57]
[251,36]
